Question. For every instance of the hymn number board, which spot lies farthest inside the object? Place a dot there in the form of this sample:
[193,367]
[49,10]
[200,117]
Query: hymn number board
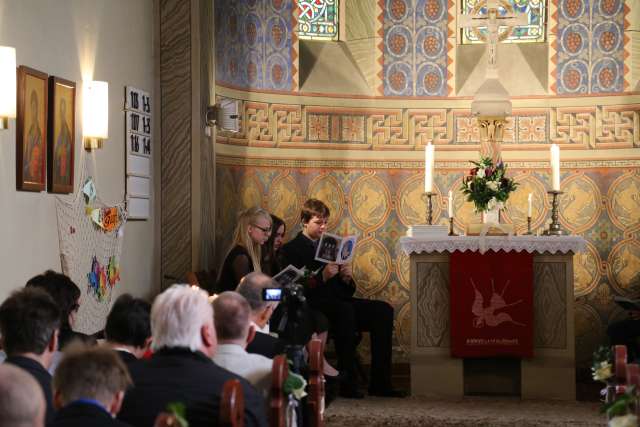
[138,124]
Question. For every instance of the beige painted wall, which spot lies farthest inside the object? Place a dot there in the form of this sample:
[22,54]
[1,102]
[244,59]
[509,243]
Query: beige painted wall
[70,38]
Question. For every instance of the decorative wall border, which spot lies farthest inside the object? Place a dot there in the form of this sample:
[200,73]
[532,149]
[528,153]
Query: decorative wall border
[244,161]
[406,129]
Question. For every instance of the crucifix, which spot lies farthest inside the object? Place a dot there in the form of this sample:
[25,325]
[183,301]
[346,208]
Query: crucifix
[494,104]
[493,20]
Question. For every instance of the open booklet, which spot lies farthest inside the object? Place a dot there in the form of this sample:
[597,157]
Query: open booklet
[627,303]
[336,249]
[289,275]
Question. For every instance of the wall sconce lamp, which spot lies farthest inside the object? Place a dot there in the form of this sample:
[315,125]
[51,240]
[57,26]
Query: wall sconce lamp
[7,85]
[95,114]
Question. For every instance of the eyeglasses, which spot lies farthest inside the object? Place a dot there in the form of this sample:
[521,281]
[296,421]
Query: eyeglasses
[266,230]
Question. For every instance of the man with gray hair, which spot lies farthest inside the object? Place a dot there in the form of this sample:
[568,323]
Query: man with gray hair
[181,369]
[234,331]
[21,399]
[251,288]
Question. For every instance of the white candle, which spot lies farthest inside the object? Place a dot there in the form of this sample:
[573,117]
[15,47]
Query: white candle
[428,168]
[529,209]
[450,204]
[555,167]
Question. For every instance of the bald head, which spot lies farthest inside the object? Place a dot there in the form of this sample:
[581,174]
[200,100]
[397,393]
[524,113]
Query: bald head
[251,287]
[21,398]
[231,313]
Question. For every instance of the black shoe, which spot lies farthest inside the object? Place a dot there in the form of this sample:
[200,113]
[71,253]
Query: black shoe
[336,378]
[389,392]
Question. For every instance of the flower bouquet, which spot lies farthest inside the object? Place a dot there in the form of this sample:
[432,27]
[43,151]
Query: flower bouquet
[487,186]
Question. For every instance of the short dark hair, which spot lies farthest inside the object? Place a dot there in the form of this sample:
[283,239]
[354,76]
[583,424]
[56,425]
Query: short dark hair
[231,315]
[314,207]
[90,373]
[61,288]
[28,320]
[129,321]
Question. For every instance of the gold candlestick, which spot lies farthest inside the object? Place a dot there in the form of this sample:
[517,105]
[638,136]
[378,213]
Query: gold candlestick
[528,233]
[451,233]
[428,196]
[554,228]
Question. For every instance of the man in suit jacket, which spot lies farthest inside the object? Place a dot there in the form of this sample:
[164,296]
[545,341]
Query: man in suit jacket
[89,386]
[331,291]
[181,369]
[21,399]
[234,331]
[29,325]
[128,328]
[251,288]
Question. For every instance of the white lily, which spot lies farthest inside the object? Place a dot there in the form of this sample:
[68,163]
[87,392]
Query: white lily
[628,420]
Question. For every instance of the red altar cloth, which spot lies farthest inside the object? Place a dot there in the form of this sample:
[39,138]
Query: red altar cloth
[491,304]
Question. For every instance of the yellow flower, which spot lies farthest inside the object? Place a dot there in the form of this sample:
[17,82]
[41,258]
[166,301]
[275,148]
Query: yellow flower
[603,372]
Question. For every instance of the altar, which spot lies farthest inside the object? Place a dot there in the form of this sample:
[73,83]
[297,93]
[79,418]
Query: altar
[548,374]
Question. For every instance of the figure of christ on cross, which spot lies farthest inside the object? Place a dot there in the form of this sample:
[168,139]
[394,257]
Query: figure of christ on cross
[493,21]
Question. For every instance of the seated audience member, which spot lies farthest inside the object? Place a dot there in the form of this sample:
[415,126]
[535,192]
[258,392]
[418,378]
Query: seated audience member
[181,369]
[29,324]
[313,324]
[67,295]
[21,399]
[245,253]
[626,332]
[251,288]
[128,329]
[271,257]
[88,388]
[331,292]
[235,331]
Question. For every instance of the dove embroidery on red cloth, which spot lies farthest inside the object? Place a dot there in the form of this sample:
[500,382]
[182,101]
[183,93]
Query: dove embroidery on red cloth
[486,316]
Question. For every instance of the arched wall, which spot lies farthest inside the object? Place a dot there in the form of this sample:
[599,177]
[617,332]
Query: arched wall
[363,153]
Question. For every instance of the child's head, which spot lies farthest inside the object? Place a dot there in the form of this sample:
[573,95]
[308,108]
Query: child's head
[314,217]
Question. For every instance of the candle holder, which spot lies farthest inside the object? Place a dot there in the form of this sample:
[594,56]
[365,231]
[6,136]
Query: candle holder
[554,228]
[451,233]
[427,196]
[528,233]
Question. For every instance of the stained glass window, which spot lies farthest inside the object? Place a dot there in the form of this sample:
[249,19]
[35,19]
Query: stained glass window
[318,19]
[533,32]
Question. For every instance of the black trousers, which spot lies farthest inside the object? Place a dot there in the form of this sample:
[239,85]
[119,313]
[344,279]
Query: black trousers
[349,316]
[626,332]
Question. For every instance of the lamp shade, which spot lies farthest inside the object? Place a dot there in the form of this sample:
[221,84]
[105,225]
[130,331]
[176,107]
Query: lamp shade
[95,110]
[7,82]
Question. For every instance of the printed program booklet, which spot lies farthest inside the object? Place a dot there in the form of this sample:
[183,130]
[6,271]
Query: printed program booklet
[336,249]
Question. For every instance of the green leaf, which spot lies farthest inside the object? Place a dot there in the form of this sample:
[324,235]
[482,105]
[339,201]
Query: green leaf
[179,411]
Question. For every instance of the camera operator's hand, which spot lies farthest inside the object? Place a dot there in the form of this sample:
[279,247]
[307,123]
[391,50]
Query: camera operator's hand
[329,271]
[346,273]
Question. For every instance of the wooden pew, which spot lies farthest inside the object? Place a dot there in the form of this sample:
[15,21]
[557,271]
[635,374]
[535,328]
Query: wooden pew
[277,399]
[315,400]
[619,373]
[232,405]
[633,379]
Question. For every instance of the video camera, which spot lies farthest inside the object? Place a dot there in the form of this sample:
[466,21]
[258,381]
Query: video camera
[284,294]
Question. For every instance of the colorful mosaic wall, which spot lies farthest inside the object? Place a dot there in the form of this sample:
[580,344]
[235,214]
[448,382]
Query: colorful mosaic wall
[379,204]
[289,125]
[590,46]
[254,44]
[415,47]
[256,47]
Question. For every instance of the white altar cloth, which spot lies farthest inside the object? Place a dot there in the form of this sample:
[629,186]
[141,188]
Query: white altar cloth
[482,244]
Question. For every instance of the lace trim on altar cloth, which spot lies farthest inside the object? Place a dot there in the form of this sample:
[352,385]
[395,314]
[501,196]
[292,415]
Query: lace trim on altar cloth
[482,244]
